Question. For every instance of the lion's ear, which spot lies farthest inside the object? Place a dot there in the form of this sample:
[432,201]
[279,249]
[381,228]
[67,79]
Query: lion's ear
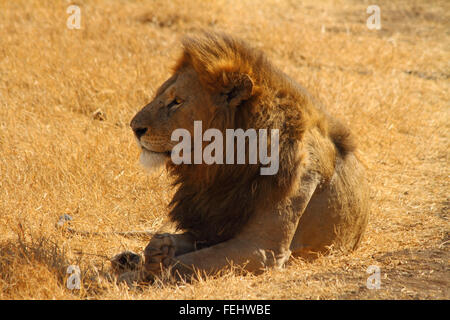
[237,88]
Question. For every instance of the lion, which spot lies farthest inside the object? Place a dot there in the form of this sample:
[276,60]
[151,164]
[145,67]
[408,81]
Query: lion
[223,214]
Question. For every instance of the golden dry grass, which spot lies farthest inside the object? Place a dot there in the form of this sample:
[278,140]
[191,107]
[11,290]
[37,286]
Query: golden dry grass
[391,86]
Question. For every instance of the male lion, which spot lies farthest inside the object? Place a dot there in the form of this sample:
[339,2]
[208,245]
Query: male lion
[225,213]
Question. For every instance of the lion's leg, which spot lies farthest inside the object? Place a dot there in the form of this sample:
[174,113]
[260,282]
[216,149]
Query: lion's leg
[337,216]
[263,242]
[172,238]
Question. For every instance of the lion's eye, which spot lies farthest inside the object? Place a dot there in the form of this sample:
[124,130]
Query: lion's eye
[175,102]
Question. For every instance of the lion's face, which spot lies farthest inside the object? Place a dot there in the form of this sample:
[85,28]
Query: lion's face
[180,101]
[177,103]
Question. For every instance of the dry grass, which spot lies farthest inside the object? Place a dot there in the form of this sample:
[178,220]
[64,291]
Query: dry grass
[391,85]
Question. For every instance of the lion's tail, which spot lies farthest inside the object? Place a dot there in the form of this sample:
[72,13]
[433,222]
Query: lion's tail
[342,138]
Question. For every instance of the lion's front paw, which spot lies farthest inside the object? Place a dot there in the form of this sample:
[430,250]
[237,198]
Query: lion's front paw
[159,253]
[126,261]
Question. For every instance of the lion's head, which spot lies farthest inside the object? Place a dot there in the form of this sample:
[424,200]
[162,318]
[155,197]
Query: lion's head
[202,88]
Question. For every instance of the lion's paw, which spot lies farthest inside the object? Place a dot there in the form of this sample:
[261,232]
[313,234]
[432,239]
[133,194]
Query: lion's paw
[126,261]
[159,253]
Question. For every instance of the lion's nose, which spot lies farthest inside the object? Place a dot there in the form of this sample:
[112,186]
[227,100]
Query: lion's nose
[139,132]
[138,126]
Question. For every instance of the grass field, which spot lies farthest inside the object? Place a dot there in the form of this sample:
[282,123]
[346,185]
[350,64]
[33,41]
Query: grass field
[67,96]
